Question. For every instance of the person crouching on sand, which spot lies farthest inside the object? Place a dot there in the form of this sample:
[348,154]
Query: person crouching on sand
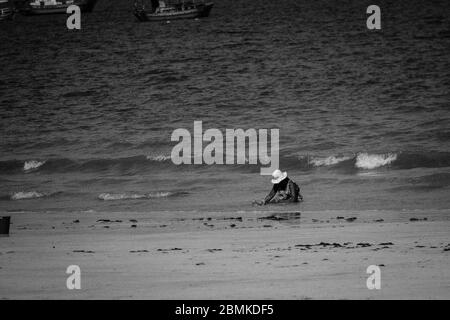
[283,190]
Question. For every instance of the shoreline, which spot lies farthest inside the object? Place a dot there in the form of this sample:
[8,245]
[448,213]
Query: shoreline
[318,255]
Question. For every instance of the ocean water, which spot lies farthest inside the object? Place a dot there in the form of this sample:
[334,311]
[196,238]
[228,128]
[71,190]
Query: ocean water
[86,116]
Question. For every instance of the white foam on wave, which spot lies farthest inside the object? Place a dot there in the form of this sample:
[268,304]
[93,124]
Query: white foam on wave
[32,165]
[27,195]
[159,158]
[119,196]
[328,161]
[372,161]
[132,196]
[160,194]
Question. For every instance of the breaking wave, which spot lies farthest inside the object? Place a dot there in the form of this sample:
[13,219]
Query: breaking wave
[328,161]
[373,161]
[360,161]
[369,161]
[22,195]
[159,158]
[32,165]
[143,164]
[64,165]
[136,196]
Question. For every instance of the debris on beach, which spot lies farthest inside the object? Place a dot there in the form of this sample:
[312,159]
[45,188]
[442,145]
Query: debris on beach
[350,219]
[345,245]
[282,216]
[418,219]
[232,218]
[167,250]
[364,244]
[108,220]
[321,244]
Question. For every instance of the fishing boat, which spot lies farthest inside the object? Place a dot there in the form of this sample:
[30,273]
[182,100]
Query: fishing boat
[6,10]
[37,7]
[159,10]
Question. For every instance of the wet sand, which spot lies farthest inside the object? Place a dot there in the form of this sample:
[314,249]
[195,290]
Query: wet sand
[256,255]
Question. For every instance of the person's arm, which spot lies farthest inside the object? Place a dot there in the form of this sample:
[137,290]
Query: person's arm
[292,192]
[270,195]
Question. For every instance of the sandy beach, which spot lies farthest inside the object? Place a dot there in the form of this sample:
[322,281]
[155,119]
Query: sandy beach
[246,255]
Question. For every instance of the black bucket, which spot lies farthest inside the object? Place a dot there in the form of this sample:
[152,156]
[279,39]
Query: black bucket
[4,226]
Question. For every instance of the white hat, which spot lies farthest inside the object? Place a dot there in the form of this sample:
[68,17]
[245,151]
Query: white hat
[278,176]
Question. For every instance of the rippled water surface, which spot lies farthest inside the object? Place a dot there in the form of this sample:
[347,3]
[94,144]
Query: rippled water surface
[86,116]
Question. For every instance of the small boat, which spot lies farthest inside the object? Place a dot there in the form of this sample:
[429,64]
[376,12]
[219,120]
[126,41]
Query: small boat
[172,10]
[37,7]
[6,10]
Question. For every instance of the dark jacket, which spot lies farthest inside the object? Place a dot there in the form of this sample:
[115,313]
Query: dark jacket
[286,191]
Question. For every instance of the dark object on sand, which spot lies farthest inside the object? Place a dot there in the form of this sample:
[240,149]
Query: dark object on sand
[418,219]
[282,216]
[363,244]
[4,226]
[171,9]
